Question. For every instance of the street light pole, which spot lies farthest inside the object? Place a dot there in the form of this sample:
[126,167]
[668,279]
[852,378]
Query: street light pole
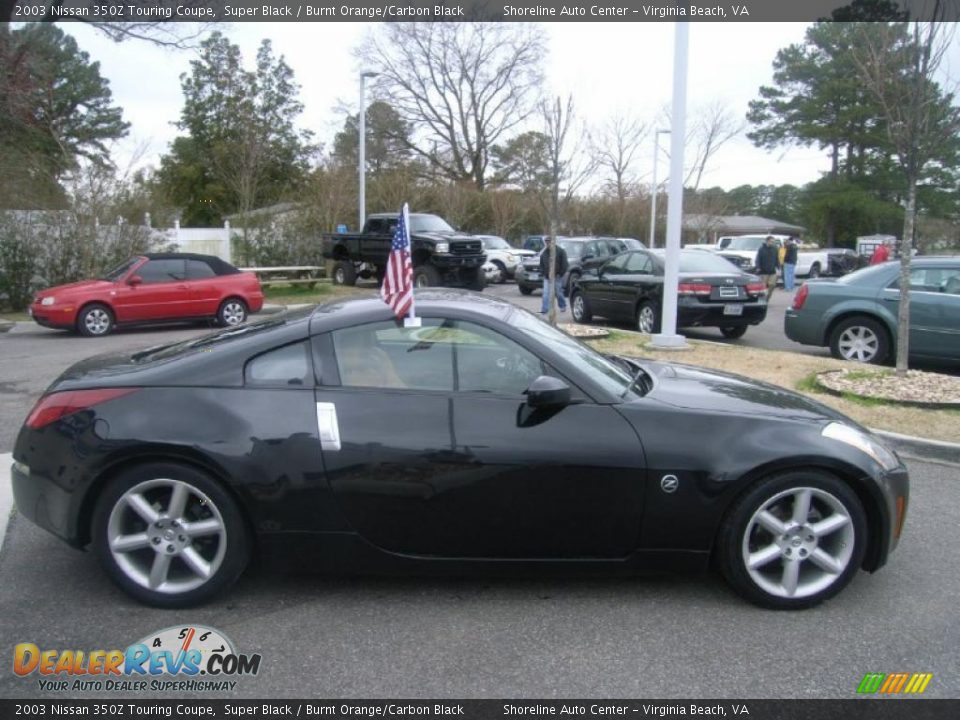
[362,149]
[653,187]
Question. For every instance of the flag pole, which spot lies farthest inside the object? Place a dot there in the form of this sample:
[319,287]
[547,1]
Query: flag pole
[411,320]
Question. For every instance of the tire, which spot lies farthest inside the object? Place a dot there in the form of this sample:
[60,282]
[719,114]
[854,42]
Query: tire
[95,320]
[814,271]
[426,276]
[232,311]
[479,280]
[153,533]
[734,331]
[790,555]
[648,317]
[524,290]
[502,277]
[860,339]
[572,280]
[580,307]
[344,273]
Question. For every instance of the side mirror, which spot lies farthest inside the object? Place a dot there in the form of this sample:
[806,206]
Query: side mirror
[134,280]
[548,391]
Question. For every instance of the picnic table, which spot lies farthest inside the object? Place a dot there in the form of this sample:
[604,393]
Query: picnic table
[308,275]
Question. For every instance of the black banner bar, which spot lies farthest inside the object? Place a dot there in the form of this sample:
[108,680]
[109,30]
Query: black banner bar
[855,709]
[447,10]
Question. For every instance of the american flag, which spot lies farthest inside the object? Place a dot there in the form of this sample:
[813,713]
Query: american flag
[397,288]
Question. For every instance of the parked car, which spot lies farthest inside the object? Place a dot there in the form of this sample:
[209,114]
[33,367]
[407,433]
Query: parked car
[156,287]
[582,252]
[335,438]
[856,315]
[712,292]
[503,258]
[812,262]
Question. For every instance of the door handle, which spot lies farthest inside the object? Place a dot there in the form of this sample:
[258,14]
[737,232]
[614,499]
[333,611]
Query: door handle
[891,299]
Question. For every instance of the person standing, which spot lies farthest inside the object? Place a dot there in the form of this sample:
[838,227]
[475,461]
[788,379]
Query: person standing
[881,254]
[790,263]
[767,262]
[560,270]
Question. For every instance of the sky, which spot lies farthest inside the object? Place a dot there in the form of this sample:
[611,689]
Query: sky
[609,68]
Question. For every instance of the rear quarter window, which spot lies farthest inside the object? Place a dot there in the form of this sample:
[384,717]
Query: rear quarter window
[288,366]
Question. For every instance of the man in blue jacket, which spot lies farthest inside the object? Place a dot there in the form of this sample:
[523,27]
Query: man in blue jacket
[767,262]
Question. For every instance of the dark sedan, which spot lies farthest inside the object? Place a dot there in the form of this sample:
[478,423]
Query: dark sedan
[856,316]
[486,440]
[583,253]
[712,292]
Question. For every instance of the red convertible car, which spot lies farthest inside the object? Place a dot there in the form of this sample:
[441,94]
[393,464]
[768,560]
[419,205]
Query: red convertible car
[159,287]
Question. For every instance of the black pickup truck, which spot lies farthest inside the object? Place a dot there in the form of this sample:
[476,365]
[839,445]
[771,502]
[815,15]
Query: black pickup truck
[441,255]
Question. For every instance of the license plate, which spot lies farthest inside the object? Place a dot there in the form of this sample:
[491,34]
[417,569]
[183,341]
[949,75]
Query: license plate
[731,309]
[533,276]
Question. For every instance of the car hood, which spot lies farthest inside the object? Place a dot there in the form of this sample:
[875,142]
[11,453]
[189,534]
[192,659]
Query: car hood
[76,287]
[697,388]
[444,236]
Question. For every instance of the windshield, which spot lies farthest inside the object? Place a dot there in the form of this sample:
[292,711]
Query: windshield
[574,249]
[745,243]
[613,378]
[429,223]
[492,242]
[699,261]
[120,270]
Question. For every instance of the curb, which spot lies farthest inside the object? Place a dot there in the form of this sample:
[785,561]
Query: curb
[920,448]
[902,403]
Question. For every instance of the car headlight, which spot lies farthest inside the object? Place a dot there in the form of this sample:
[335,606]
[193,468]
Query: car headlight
[442,247]
[863,442]
[48,300]
[511,258]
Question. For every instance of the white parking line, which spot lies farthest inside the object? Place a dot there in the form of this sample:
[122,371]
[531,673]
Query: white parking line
[6,493]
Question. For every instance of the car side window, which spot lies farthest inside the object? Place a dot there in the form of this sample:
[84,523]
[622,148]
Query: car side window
[198,270]
[285,366]
[382,355]
[487,361]
[618,265]
[639,263]
[375,226]
[162,271]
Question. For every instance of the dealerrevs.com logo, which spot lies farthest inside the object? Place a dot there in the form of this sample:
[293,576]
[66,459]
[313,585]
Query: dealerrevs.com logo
[177,659]
[894,683]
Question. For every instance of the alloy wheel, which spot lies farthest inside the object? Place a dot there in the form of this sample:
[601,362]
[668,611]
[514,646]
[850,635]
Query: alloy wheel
[167,536]
[858,343]
[97,321]
[576,307]
[646,319]
[233,313]
[798,543]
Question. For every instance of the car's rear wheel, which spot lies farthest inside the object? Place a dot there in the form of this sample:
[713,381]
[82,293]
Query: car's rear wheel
[734,331]
[344,273]
[501,276]
[580,307]
[95,320]
[860,339]
[814,271]
[524,290]
[233,311]
[648,318]
[169,535]
[793,540]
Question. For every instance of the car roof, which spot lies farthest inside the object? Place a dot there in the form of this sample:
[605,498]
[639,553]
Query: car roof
[453,301]
[218,265]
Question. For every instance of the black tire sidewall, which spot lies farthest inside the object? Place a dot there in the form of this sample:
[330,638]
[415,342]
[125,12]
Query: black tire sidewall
[734,525]
[883,349]
[734,332]
[238,536]
[82,327]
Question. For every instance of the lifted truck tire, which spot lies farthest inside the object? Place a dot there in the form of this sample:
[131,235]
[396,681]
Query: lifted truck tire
[344,273]
[426,276]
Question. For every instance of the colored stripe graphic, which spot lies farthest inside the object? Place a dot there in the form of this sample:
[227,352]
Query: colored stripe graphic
[894,683]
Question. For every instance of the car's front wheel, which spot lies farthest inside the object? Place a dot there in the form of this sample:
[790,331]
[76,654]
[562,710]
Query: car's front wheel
[169,535]
[233,311]
[793,540]
[427,276]
[580,307]
[95,320]
[860,339]
[524,290]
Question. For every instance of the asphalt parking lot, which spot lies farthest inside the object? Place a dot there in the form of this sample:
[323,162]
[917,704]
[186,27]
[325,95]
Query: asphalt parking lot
[323,636]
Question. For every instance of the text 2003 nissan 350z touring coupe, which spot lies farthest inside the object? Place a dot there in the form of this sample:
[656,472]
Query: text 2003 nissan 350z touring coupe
[483,440]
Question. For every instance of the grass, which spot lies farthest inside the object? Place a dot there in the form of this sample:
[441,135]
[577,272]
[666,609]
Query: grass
[797,372]
[14,316]
[301,294]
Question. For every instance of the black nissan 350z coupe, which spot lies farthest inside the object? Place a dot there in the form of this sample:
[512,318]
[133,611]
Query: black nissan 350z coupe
[484,440]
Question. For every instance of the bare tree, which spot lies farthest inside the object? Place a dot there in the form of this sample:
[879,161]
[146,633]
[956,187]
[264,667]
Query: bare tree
[709,128]
[616,145]
[461,86]
[898,64]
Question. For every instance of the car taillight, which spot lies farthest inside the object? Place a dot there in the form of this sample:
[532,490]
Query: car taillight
[801,297]
[756,288]
[693,289]
[51,408]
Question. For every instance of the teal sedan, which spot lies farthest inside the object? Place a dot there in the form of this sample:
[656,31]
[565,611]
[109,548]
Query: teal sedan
[856,315]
